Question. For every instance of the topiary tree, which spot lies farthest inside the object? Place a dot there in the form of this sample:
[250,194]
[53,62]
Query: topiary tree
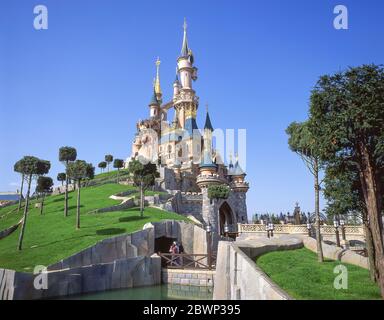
[302,142]
[62,177]
[118,164]
[102,165]
[18,168]
[67,155]
[108,160]
[78,171]
[31,168]
[143,176]
[218,192]
[44,187]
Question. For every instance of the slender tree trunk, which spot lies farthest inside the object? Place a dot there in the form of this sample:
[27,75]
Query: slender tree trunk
[118,172]
[21,192]
[78,207]
[141,199]
[320,257]
[373,201]
[42,204]
[66,195]
[370,249]
[21,236]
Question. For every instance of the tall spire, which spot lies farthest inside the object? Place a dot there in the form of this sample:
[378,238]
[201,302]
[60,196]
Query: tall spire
[184,48]
[208,123]
[157,80]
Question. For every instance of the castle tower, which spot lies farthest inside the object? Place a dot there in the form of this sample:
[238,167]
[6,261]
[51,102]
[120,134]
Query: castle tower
[208,177]
[185,100]
[240,188]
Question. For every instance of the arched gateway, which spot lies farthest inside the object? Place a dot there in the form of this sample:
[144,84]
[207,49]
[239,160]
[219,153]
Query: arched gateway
[226,216]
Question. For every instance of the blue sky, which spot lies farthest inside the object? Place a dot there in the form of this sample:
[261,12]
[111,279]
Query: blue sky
[86,80]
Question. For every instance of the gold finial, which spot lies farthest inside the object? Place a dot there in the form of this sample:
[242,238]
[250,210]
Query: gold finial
[206,107]
[157,80]
[230,156]
[236,157]
[185,26]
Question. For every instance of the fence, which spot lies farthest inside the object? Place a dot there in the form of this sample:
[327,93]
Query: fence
[188,261]
[299,229]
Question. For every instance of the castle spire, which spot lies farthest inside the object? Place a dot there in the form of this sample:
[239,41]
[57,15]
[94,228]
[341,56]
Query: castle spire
[208,124]
[184,48]
[157,80]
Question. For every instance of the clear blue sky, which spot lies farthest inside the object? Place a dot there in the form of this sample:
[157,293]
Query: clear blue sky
[86,80]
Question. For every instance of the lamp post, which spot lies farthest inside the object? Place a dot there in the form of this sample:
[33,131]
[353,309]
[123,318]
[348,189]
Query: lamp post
[209,245]
[267,227]
[342,224]
[309,228]
[336,225]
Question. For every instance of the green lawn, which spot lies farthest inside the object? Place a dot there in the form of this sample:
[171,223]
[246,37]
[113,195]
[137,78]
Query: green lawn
[302,277]
[52,237]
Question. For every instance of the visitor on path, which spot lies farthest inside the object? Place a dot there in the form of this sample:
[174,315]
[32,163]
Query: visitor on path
[174,249]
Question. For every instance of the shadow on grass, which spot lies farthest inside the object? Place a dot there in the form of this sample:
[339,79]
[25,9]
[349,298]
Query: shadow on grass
[131,218]
[110,231]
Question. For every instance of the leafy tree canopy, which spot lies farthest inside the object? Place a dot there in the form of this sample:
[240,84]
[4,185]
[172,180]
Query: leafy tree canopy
[143,174]
[67,154]
[118,163]
[44,184]
[30,165]
[218,192]
[109,158]
[61,176]
[102,165]
[79,170]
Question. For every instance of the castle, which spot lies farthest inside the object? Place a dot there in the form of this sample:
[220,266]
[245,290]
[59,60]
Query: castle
[186,159]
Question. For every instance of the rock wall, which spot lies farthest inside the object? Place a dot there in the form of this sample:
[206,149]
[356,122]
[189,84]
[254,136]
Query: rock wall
[200,278]
[237,275]
[120,262]
[126,273]
[336,253]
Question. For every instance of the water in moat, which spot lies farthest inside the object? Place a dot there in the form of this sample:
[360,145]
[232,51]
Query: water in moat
[163,292]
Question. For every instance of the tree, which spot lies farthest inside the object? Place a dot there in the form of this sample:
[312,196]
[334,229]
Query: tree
[44,186]
[102,165]
[108,159]
[218,192]
[62,177]
[31,168]
[18,168]
[78,171]
[67,155]
[118,164]
[143,176]
[347,117]
[343,192]
[302,142]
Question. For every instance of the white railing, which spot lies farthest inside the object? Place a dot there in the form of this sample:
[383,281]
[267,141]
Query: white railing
[297,229]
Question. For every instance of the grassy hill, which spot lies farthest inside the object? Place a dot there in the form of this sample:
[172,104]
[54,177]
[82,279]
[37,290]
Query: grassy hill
[52,237]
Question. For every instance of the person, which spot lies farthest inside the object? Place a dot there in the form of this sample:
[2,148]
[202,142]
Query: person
[181,248]
[174,249]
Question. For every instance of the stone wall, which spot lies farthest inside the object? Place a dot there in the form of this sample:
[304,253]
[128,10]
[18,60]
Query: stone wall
[126,273]
[336,253]
[237,275]
[203,278]
[120,262]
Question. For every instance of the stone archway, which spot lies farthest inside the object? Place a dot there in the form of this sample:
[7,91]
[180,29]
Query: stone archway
[225,216]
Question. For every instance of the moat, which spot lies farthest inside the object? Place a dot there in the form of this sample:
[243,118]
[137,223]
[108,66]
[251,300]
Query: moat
[162,292]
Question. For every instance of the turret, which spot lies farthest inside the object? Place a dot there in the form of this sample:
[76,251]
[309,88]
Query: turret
[185,63]
[154,106]
[237,177]
[176,87]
